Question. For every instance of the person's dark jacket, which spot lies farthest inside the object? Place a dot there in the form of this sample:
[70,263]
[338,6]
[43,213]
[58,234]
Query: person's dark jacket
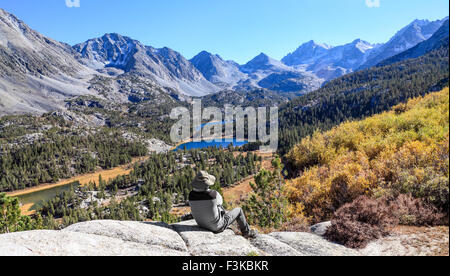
[207,209]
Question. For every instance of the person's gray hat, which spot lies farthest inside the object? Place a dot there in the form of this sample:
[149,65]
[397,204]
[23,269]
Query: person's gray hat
[203,181]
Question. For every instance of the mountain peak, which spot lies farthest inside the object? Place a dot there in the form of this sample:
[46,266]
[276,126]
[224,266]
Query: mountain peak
[165,66]
[419,22]
[114,36]
[313,43]
[414,33]
[11,26]
[262,56]
[307,53]
[438,40]
[362,45]
[4,13]
[225,74]
[263,62]
[206,55]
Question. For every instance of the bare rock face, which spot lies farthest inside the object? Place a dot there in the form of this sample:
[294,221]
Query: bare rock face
[128,238]
[145,233]
[320,228]
[274,247]
[313,245]
[36,72]
[411,241]
[66,243]
[14,249]
[164,66]
[205,243]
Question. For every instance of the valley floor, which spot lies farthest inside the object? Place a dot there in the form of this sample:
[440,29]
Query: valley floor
[84,179]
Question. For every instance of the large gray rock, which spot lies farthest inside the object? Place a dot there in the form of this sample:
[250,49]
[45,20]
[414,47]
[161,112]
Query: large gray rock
[273,247]
[146,233]
[312,245]
[201,242]
[13,249]
[320,228]
[128,238]
[66,243]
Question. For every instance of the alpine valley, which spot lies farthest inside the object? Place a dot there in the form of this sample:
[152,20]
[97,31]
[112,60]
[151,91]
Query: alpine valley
[85,136]
[38,74]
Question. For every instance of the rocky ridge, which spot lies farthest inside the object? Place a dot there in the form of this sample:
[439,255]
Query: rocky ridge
[125,238]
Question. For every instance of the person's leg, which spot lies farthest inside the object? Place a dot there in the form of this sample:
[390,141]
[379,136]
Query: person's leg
[239,216]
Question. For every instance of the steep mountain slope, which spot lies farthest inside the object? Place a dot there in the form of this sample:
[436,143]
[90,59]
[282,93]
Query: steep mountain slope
[164,66]
[408,37]
[36,72]
[263,62]
[261,72]
[308,53]
[255,98]
[380,155]
[223,73]
[130,238]
[266,72]
[362,94]
[329,62]
[438,40]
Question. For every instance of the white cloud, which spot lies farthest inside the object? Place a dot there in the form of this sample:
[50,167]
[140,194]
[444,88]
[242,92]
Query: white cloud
[73,3]
[373,3]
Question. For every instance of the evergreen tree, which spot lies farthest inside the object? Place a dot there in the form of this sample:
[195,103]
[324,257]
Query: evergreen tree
[11,219]
[267,206]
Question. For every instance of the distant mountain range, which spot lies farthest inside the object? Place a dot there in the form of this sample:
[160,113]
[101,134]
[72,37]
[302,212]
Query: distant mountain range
[164,66]
[440,38]
[408,37]
[329,62]
[37,74]
[308,67]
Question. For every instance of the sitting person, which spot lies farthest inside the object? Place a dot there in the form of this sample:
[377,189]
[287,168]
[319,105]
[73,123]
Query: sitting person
[207,209]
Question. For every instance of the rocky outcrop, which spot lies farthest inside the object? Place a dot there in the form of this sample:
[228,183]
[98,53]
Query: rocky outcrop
[66,243]
[151,234]
[127,238]
[313,245]
[273,247]
[411,241]
[320,228]
[205,243]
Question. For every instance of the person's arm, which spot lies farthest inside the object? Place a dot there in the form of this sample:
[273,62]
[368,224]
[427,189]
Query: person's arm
[219,202]
[216,195]
[219,199]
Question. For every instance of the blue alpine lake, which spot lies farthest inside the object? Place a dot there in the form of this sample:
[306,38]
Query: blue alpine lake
[212,143]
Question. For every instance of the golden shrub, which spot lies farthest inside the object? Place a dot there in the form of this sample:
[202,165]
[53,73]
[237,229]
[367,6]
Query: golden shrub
[402,151]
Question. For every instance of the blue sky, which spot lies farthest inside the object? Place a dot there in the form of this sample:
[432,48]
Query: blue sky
[235,29]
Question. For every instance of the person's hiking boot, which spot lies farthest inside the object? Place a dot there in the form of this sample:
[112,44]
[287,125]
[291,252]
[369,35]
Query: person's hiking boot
[250,234]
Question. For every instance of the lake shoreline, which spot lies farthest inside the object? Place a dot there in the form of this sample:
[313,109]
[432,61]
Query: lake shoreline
[79,178]
[221,139]
[85,179]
